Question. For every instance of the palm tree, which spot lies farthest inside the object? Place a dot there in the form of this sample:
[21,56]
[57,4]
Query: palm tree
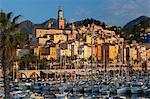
[26,60]
[8,45]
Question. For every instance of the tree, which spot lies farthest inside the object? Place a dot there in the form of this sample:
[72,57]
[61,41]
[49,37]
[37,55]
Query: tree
[43,63]
[8,45]
[26,60]
[51,62]
[103,25]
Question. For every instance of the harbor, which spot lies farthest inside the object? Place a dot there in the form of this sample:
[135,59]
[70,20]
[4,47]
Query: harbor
[132,87]
[98,49]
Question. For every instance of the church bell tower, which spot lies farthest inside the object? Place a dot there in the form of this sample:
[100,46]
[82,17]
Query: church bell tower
[60,19]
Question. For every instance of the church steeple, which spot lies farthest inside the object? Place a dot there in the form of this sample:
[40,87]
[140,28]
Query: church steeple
[60,18]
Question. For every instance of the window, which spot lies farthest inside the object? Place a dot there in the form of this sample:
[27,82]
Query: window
[45,51]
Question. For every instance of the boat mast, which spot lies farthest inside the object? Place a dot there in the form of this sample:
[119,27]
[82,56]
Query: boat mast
[65,65]
[92,63]
[92,43]
[97,61]
[104,61]
[121,59]
[128,59]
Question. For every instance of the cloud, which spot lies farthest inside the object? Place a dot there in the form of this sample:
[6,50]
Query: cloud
[81,12]
[123,11]
[131,7]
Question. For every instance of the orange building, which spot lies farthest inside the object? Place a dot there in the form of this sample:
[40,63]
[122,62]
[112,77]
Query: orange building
[98,52]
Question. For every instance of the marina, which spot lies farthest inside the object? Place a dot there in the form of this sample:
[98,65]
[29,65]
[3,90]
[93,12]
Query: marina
[75,55]
[135,87]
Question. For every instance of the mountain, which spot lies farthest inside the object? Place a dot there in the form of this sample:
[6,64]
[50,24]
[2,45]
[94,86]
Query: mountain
[143,22]
[136,29]
[27,27]
[45,24]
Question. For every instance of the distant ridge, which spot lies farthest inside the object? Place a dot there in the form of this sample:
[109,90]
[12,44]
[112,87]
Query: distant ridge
[27,26]
[140,22]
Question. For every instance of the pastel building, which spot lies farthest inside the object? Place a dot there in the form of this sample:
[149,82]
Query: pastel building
[87,51]
[113,53]
[46,36]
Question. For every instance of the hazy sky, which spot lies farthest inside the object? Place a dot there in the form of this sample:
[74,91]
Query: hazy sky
[116,12]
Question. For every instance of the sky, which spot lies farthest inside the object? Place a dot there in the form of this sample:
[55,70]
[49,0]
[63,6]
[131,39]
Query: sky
[115,12]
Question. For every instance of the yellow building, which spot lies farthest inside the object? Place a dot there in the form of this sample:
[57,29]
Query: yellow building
[60,37]
[113,53]
[88,39]
[47,52]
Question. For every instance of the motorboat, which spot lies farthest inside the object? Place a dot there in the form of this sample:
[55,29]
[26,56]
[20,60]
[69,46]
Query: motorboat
[96,88]
[87,89]
[113,90]
[49,96]
[21,95]
[146,89]
[62,87]
[36,87]
[61,95]
[45,88]
[75,96]
[136,87]
[124,90]
[104,91]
